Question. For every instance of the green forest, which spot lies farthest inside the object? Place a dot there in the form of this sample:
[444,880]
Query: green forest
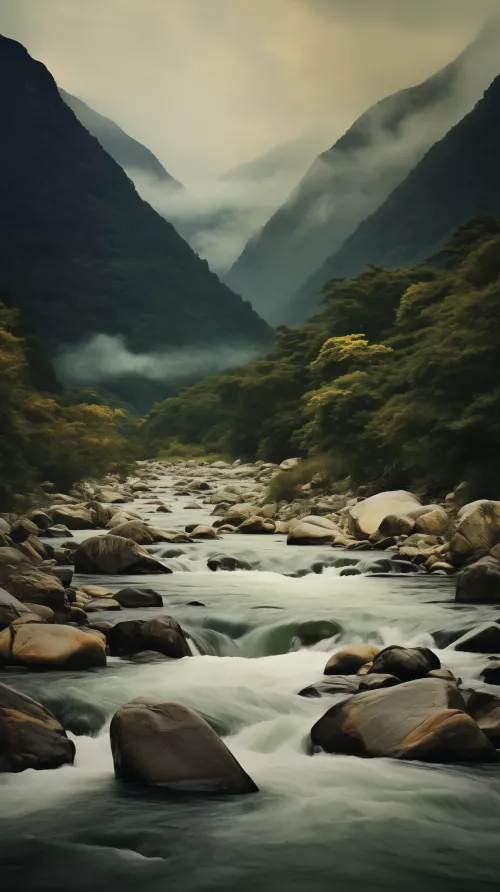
[393,382]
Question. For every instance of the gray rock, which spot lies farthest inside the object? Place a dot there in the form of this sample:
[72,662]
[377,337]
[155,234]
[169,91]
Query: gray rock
[30,736]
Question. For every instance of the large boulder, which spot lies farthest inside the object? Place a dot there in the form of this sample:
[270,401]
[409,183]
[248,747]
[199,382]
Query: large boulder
[434,522]
[423,720]
[138,597]
[310,534]
[257,525]
[483,639]
[22,529]
[203,532]
[30,584]
[113,554]
[405,663]
[365,517]
[396,525]
[491,672]
[170,746]
[477,531]
[10,609]
[75,517]
[111,496]
[162,634]
[30,736]
[41,646]
[350,658]
[485,710]
[136,530]
[479,583]
[99,513]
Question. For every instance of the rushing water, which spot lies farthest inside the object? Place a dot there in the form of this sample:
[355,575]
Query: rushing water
[319,823]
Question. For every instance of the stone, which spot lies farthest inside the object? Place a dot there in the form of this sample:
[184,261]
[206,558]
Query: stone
[96,591]
[112,554]
[477,530]
[41,646]
[169,746]
[45,613]
[22,529]
[491,672]
[98,604]
[78,616]
[136,530]
[162,634]
[310,534]
[485,710]
[100,514]
[312,631]
[372,682]
[483,639]
[396,525]
[30,736]
[203,532]
[350,658]
[434,522]
[365,517]
[110,496]
[10,609]
[479,583]
[256,525]
[422,720]
[74,517]
[338,684]
[227,563]
[138,597]
[30,584]
[406,663]
[149,656]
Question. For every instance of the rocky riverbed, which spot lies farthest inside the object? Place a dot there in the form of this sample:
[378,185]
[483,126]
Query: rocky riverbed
[174,641]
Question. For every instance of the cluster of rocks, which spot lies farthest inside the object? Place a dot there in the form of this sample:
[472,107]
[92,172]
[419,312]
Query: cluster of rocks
[399,703]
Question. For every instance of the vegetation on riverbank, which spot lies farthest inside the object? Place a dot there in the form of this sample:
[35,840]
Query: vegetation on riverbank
[47,432]
[395,380]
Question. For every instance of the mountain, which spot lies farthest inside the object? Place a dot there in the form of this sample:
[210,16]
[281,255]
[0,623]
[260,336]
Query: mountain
[82,252]
[349,181]
[293,157]
[459,178]
[127,152]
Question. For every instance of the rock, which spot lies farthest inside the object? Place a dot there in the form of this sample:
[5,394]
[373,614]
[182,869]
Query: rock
[485,710]
[396,525]
[33,585]
[138,597]
[120,517]
[309,534]
[491,672]
[483,639]
[192,506]
[110,496]
[164,509]
[22,529]
[256,525]
[365,517]
[434,522]
[339,684]
[58,531]
[447,674]
[74,517]
[227,563]
[30,736]
[170,746]
[349,659]
[314,630]
[149,656]
[406,663]
[289,463]
[372,682]
[41,646]
[136,530]
[10,609]
[45,613]
[98,604]
[100,514]
[112,554]
[477,531]
[479,583]
[10,557]
[102,626]
[162,634]
[203,532]
[423,720]
[442,567]
[96,591]
[64,574]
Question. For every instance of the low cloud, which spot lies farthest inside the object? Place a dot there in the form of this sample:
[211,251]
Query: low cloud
[106,358]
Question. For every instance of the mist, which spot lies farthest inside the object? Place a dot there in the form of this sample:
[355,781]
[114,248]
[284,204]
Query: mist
[106,358]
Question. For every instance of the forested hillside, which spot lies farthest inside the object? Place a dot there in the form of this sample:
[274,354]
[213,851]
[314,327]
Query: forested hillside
[394,381]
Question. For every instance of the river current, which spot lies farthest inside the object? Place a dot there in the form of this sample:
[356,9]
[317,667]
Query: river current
[320,822]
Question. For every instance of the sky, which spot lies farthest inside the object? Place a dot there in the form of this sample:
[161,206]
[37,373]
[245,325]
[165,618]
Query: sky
[209,84]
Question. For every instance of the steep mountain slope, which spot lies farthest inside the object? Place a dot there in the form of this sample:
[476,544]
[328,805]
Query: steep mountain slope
[293,157]
[127,152]
[85,253]
[350,180]
[459,178]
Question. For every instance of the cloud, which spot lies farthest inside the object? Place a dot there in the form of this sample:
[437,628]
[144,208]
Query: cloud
[105,358]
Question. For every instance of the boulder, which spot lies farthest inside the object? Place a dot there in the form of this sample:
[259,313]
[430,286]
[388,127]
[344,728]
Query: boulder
[22,529]
[339,684]
[289,463]
[162,634]
[314,630]
[118,518]
[42,520]
[227,563]
[372,682]
[350,658]
[485,710]
[479,583]
[138,597]
[134,529]
[491,672]
[435,521]
[168,745]
[483,639]
[100,514]
[110,496]
[477,530]
[113,554]
[41,646]
[203,532]
[10,609]
[98,604]
[45,613]
[396,525]
[406,663]
[310,534]
[257,525]
[149,656]
[424,720]
[318,521]
[365,517]
[30,736]
[30,584]
[74,517]
[78,616]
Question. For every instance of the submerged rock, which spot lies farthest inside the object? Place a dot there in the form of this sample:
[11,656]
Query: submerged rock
[162,634]
[227,562]
[138,597]
[479,583]
[168,745]
[30,736]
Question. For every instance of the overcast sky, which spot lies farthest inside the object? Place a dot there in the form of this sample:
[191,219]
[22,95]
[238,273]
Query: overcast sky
[207,84]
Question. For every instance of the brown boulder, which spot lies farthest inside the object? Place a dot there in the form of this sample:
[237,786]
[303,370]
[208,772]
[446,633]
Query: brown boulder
[75,517]
[162,634]
[29,584]
[41,646]
[406,663]
[350,659]
[112,554]
[30,736]
[256,525]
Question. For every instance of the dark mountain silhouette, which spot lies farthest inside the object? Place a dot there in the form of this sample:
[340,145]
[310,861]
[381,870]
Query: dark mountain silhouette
[349,181]
[82,252]
[127,152]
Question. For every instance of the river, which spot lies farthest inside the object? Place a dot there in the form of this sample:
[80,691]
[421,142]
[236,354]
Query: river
[318,823]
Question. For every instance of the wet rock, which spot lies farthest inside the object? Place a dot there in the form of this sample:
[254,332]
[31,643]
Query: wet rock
[479,583]
[162,634]
[45,613]
[195,604]
[372,682]
[110,496]
[41,519]
[170,746]
[424,720]
[98,604]
[149,656]
[41,646]
[136,530]
[314,630]
[227,563]
[256,525]
[112,554]
[74,517]
[22,529]
[406,663]
[477,531]
[483,639]
[365,517]
[138,597]
[30,736]
[485,710]
[203,532]
[349,659]
[28,583]
[446,674]
[102,626]
[397,525]
[309,534]
[64,574]
[10,609]
[339,684]
[434,522]
[350,571]
[442,567]
[491,672]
